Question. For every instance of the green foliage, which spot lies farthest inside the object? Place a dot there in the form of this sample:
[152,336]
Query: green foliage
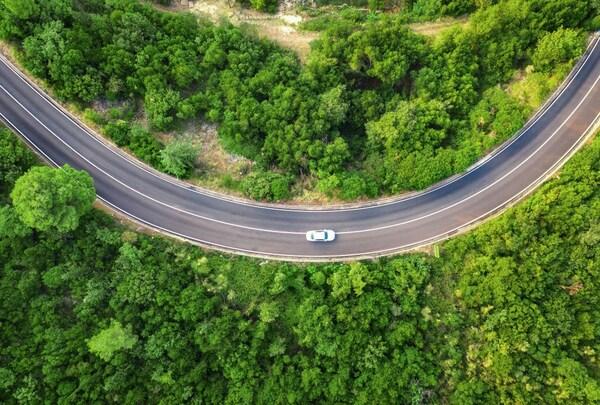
[7,379]
[507,314]
[353,186]
[267,186]
[118,131]
[526,286]
[345,14]
[422,10]
[264,5]
[383,51]
[144,145]
[409,142]
[11,224]
[111,340]
[315,119]
[328,185]
[139,140]
[496,117]
[22,9]
[160,105]
[561,46]
[178,158]
[15,159]
[53,199]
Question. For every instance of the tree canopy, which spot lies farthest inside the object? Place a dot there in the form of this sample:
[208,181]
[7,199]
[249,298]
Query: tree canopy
[178,158]
[314,119]
[508,313]
[110,340]
[53,199]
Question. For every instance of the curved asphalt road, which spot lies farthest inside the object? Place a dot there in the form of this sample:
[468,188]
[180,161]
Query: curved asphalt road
[376,229]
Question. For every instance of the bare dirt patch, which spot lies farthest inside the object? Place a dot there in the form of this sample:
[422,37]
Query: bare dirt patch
[6,50]
[435,28]
[280,28]
[213,163]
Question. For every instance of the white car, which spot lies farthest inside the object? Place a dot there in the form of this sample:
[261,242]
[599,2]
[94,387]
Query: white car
[325,235]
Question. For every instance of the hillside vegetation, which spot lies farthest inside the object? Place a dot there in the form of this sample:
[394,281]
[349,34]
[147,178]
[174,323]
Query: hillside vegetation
[507,314]
[377,109]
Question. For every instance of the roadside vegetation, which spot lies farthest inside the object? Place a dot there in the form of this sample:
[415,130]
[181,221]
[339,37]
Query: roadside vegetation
[377,109]
[95,313]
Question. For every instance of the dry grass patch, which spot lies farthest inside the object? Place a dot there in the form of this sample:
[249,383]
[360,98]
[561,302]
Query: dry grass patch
[280,28]
[434,28]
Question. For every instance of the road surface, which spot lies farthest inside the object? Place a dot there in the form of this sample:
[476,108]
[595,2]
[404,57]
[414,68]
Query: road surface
[374,229]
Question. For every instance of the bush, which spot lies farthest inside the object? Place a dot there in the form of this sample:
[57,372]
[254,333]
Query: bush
[15,159]
[497,116]
[560,46]
[353,186]
[89,114]
[594,24]
[229,182]
[178,158]
[328,185]
[118,131]
[267,186]
[145,146]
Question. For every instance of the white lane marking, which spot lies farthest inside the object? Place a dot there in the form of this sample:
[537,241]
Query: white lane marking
[341,232]
[358,254]
[397,249]
[28,140]
[131,188]
[221,197]
[504,176]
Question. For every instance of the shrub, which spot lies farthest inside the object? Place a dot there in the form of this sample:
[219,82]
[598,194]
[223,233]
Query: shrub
[15,159]
[267,186]
[560,46]
[329,185]
[353,186]
[145,146]
[178,158]
[118,131]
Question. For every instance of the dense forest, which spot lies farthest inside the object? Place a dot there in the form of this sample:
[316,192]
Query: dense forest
[91,312]
[376,109]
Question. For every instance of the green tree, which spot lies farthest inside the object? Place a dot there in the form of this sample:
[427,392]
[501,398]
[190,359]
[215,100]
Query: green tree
[53,199]
[22,9]
[160,104]
[15,159]
[267,186]
[409,141]
[178,158]
[557,47]
[111,340]
[11,225]
[386,50]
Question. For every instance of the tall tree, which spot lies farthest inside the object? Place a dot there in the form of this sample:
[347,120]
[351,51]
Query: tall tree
[50,199]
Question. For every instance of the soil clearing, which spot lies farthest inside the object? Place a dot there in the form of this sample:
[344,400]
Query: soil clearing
[432,29]
[280,28]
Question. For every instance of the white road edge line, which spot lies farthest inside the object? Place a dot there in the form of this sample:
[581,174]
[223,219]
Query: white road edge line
[131,188]
[397,249]
[511,171]
[592,46]
[301,233]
